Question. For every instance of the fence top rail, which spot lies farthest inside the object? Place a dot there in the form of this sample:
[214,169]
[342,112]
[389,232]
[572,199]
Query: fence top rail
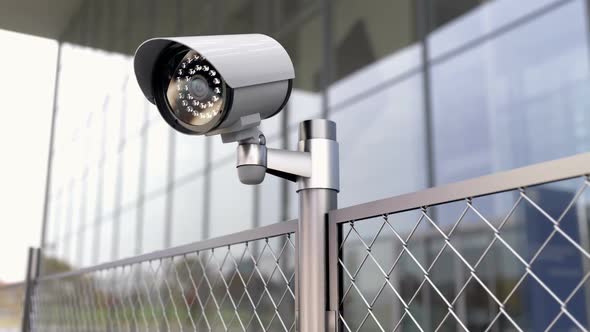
[259,233]
[549,171]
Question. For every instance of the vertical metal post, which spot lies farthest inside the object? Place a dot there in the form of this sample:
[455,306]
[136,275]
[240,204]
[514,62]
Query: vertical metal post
[32,269]
[317,196]
[335,289]
[48,174]
[584,231]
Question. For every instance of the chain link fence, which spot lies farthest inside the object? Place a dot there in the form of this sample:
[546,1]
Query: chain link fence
[246,284]
[512,259]
[505,252]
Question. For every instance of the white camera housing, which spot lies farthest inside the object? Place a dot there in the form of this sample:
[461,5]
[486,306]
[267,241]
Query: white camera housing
[248,78]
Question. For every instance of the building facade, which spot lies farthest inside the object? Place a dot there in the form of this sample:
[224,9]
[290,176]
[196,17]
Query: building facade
[424,92]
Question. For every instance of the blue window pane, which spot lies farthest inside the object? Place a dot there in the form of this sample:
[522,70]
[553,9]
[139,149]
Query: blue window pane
[515,100]
[457,23]
[382,143]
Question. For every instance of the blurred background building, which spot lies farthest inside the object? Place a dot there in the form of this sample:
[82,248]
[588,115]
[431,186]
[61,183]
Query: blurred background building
[425,92]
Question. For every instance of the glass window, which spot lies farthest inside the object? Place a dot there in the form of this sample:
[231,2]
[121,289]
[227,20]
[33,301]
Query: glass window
[64,250]
[157,156]
[96,140]
[113,123]
[66,216]
[154,224]
[92,193]
[128,233]
[109,186]
[458,22]
[523,98]
[187,213]
[131,170]
[77,248]
[221,152]
[189,154]
[106,241]
[53,221]
[305,46]
[136,111]
[76,199]
[382,143]
[231,201]
[89,235]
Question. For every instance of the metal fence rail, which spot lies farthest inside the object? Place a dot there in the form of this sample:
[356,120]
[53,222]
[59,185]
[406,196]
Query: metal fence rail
[506,252]
[241,282]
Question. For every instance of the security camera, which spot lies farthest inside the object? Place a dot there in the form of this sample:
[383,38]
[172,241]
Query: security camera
[226,85]
[211,85]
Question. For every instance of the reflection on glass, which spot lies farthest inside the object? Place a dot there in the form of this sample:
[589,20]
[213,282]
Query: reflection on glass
[382,144]
[514,100]
[455,23]
[187,216]
[304,46]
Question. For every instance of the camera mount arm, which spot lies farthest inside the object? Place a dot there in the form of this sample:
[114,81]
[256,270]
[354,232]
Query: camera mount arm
[314,165]
[255,159]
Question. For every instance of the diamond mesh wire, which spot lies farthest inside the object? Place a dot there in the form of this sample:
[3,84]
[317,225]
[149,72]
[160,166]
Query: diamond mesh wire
[510,261]
[241,287]
[11,307]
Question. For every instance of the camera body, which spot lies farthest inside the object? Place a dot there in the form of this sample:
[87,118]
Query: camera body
[209,85]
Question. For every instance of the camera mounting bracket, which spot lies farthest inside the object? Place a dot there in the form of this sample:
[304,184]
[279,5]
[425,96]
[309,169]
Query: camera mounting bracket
[315,169]
[313,166]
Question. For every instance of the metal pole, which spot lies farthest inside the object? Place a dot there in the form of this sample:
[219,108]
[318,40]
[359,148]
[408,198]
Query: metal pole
[48,174]
[316,169]
[317,196]
[32,268]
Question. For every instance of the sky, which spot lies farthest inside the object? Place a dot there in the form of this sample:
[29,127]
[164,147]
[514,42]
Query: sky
[27,73]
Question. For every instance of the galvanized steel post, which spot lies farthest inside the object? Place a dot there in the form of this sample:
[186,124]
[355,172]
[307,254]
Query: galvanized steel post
[317,196]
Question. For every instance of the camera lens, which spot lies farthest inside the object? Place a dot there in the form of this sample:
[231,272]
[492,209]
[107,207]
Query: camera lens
[196,92]
[199,88]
